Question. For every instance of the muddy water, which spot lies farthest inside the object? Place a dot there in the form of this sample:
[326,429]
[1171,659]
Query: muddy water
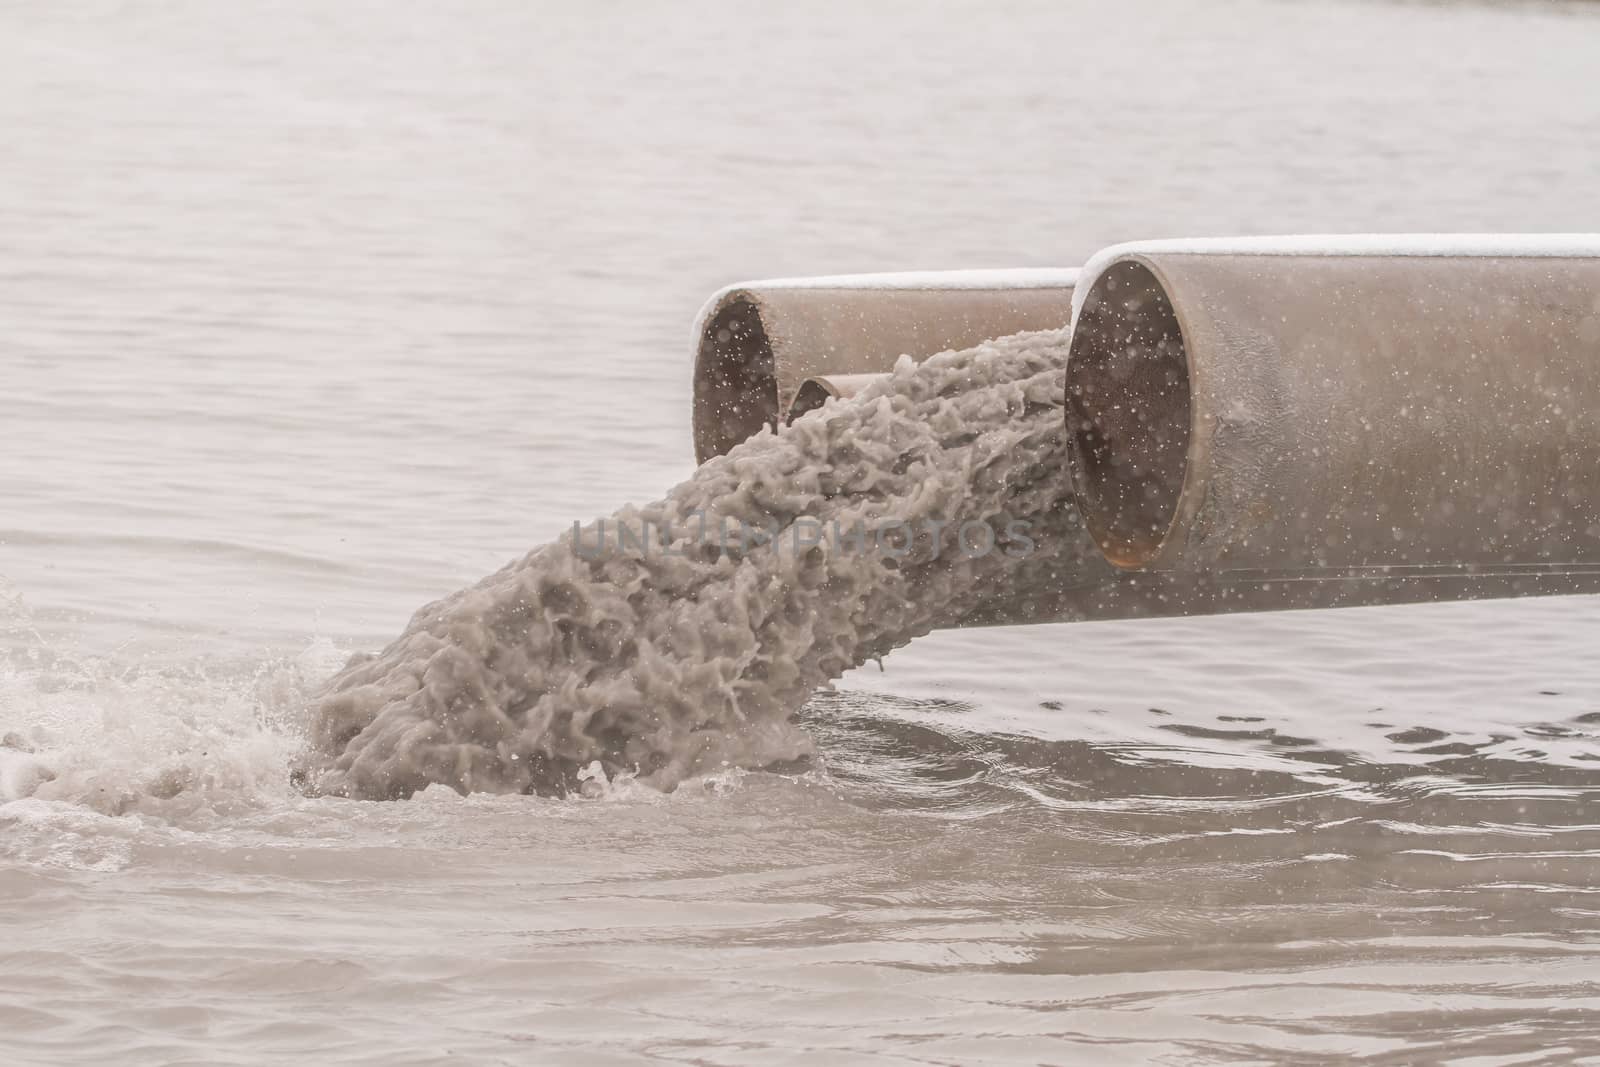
[681,638]
[313,315]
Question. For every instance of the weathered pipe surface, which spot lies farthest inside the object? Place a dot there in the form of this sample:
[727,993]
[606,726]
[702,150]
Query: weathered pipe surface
[758,342]
[1337,407]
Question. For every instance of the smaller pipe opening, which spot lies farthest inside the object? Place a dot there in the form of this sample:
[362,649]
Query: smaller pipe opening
[1127,413]
[812,394]
[735,386]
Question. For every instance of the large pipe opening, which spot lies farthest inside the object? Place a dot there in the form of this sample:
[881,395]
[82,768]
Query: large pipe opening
[1128,413]
[736,387]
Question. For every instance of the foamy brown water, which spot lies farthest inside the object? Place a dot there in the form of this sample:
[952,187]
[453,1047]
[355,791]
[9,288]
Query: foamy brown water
[679,641]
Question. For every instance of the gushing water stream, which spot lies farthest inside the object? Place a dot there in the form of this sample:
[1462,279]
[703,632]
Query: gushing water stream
[680,637]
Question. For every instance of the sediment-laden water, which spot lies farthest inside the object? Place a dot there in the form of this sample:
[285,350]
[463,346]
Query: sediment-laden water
[679,638]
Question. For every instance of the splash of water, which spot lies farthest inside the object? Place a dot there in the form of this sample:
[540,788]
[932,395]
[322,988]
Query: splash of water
[689,651]
[173,741]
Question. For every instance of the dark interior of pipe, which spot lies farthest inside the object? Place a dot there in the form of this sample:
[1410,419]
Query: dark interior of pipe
[811,396]
[736,391]
[1128,413]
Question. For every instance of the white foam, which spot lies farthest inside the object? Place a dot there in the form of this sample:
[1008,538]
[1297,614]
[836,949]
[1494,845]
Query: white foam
[118,740]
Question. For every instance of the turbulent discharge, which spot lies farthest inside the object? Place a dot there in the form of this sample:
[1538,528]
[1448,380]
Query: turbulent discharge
[669,641]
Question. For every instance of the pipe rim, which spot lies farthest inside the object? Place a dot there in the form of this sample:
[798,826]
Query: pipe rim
[1130,412]
[735,380]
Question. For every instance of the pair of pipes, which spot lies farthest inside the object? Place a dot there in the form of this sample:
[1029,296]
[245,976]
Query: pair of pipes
[1254,424]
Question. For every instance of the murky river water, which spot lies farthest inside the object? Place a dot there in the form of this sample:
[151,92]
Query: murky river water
[311,313]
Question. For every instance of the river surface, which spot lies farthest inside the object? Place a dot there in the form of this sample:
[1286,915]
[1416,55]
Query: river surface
[311,313]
